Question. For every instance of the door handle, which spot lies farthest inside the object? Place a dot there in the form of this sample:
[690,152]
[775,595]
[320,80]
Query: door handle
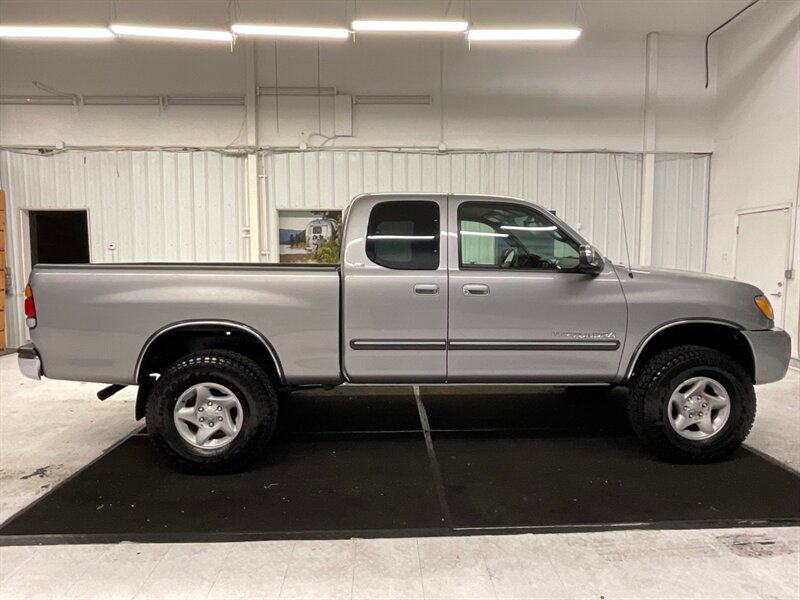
[426,289]
[776,294]
[476,289]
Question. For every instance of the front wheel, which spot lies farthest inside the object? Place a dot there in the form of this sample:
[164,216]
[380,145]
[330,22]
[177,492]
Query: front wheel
[692,404]
[212,412]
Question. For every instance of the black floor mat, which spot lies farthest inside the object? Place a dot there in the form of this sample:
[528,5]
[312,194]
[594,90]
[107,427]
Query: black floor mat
[580,410]
[555,481]
[313,487]
[354,462]
[351,410]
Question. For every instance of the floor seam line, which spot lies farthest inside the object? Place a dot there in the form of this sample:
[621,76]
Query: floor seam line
[214,583]
[286,571]
[419,566]
[432,460]
[354,546]
[149,576]
[18,567]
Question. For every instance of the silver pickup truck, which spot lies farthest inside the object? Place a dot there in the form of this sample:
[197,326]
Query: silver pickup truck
[431,288]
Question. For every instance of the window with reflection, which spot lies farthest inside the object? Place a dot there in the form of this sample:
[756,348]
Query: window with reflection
[404,235]
[511,236]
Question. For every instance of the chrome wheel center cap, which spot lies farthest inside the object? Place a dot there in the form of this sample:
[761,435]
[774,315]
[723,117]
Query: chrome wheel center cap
[695,407]
[208,415]
[698,408]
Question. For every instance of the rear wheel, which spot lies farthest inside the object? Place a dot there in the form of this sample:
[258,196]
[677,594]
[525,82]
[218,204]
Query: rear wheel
[212,412]
[692,404]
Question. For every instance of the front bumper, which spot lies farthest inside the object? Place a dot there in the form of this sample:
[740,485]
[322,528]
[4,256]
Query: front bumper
[29,362]
[772,349]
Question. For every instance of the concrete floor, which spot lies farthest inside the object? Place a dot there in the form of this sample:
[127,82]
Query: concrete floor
[50,429]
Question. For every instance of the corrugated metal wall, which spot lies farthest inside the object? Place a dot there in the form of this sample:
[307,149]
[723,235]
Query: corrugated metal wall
[152,206]
[581,187]
[680,211]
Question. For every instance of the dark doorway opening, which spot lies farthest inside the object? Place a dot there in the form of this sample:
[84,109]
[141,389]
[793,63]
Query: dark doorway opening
[59,236]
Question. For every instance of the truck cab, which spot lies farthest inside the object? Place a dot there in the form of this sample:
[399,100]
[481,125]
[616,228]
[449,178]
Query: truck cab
[465,289]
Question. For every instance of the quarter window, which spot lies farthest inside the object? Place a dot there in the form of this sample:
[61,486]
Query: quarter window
[404,235]
[510,236]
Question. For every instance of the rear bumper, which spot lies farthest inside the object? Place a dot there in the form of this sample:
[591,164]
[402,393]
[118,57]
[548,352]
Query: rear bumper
[772,349]
[29,362]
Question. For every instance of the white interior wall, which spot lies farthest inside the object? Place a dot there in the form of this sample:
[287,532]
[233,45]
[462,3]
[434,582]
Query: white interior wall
[147,206]
[757,134]
[680,211]
[581,96]
[581,187]
[128,68]
[589,95]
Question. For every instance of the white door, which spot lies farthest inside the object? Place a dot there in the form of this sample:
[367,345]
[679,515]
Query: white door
[761,249]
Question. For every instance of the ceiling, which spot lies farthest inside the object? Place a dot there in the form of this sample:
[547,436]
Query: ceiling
[689,17]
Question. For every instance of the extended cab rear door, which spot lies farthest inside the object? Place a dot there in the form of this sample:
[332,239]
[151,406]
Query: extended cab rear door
[519,311]
[394,305]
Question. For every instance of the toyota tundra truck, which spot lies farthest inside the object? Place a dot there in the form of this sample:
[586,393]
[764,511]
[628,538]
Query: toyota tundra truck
[430,289]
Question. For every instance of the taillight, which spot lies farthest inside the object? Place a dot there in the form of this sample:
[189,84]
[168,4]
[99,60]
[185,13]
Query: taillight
[30,307]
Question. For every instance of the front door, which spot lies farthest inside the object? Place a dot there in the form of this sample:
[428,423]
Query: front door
[762,238]
[395,291]
[519,310]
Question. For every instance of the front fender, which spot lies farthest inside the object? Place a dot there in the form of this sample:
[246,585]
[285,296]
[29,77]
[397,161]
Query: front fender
[772,350]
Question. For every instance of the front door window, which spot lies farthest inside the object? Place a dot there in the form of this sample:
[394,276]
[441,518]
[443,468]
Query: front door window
[509,236]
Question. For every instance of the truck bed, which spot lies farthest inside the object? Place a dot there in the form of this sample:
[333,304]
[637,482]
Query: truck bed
[93,321]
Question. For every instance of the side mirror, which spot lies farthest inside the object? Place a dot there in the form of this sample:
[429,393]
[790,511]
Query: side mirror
[590,261]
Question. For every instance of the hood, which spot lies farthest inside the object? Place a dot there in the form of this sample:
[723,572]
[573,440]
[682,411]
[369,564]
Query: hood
[670,294]
[677,274]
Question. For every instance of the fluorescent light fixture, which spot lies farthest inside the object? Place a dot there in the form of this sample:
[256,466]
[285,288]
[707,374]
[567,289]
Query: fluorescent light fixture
[412,26]
[62,33]
[519,35]
[172,33]
[290,31]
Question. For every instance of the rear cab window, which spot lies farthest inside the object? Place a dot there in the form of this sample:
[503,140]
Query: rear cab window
[404,234]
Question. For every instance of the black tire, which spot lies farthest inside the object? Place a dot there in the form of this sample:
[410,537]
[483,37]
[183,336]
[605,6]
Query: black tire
[240,375]
[661,375]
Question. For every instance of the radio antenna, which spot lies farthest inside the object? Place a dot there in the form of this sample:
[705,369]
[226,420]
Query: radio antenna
[622,213]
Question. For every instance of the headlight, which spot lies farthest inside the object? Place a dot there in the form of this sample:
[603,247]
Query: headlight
[765,307]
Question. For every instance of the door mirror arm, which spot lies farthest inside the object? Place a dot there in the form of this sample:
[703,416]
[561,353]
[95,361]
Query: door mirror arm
[589,260]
